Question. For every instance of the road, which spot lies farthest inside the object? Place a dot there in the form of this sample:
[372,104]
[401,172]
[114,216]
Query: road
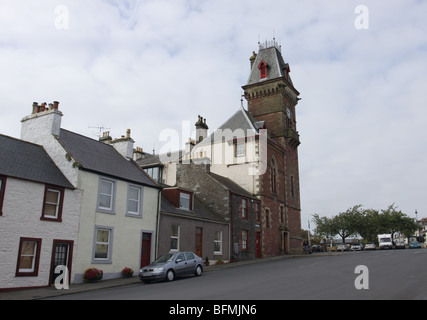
[389,275]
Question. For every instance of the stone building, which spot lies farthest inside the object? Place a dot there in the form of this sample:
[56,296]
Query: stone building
[256,150]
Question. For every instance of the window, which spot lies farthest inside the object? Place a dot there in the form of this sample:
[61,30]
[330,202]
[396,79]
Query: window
[273,176]
[244,209]
[262,70]
[218,242]
[28,257]
[2,188]
[52,204]
[244,239]
[174,237]
[155,173]
[106,195]
[103,244]
[292,187]
[184,201]
[189,256]
[240,149]
[134,203]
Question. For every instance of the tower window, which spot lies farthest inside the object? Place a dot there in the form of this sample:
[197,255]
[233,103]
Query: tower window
[263,69]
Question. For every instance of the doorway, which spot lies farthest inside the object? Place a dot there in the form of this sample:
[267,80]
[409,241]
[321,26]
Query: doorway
[62,252]
[145,249]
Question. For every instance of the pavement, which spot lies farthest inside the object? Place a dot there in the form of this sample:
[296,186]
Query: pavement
[47,292]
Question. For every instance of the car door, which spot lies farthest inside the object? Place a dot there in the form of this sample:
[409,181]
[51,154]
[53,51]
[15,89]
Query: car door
[191,262]
[180,264]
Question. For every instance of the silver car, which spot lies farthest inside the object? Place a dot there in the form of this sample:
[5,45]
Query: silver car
[171,265]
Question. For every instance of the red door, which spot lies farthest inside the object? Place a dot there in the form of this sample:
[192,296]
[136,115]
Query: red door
[146,249]
[258,245]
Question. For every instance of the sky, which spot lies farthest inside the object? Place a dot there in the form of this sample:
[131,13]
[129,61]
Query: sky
[152,65]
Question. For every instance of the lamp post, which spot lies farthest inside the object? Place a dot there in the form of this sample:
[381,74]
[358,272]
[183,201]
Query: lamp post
[418,229]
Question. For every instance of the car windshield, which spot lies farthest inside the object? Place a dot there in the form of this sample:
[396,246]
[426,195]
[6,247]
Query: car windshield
[164,258]
[385,240]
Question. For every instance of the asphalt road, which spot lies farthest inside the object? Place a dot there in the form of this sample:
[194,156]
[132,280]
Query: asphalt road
[385,275]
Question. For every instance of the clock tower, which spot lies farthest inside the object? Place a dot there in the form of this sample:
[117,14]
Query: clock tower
[272,99]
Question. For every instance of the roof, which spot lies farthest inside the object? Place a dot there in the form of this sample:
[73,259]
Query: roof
[29,161]
[231,185]
[277,68]
[93,155]
[151,160]
[200,210]
[239,125]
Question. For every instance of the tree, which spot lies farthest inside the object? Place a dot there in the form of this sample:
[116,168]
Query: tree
[347,223]
[393,220]
[367,223]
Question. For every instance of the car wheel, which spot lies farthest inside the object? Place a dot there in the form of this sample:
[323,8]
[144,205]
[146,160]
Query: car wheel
[198,271]
[170,275]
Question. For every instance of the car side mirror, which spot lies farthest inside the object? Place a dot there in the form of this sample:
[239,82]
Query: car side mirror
[178,260]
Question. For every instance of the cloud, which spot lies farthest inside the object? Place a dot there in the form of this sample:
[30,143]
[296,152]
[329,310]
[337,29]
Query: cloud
[149,65]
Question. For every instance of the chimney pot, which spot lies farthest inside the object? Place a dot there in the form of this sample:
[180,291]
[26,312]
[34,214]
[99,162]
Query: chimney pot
[55,105]
[35,107]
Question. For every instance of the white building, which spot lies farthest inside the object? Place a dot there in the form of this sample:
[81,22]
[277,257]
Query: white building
[120,203]
[39,216]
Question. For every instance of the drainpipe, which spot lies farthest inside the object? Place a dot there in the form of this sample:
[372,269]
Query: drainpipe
[156,245]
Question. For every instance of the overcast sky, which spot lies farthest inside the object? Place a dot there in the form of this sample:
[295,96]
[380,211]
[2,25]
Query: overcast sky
[150,65]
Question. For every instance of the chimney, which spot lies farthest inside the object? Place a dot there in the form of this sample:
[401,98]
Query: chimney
[42,121]
[124,145]
[252,59]
[106,138]
[201,129]
[138,154]
[189,145]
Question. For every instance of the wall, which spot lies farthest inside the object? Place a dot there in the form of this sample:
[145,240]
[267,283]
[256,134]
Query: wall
[187,236]
[22,209]
[126,251]
[194,177]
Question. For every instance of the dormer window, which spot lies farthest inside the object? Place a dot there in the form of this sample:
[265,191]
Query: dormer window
[262,69]
[185,201]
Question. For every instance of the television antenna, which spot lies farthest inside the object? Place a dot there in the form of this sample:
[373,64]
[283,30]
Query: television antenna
[100,128]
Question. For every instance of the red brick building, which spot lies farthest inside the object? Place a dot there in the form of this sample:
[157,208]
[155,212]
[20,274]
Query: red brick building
[272,99]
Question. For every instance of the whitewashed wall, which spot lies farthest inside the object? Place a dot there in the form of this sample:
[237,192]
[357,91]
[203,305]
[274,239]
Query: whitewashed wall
[22,209]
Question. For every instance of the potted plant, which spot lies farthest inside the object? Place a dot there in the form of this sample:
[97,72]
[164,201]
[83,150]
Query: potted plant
[220,261]
[206,261]
[127,272]
[92,275]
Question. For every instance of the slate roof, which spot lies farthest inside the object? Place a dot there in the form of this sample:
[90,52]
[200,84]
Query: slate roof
[29,161]
[239,123]
[95,156]
[231,185]
[276,65]
[200,210]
